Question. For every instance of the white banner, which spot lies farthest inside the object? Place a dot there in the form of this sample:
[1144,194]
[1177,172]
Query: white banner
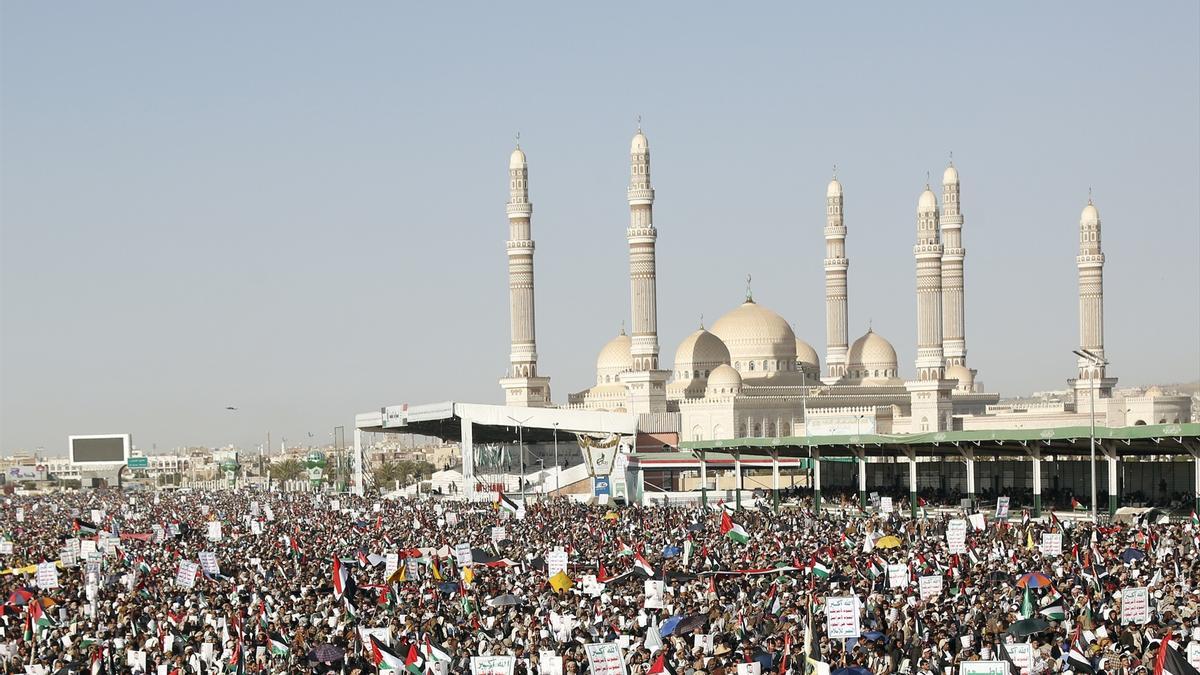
[605,658]
[956,536]
[47,575]
[214,530]
[550,663]
[930,586]
[983,668]
[885,505]
[491,665]
[463,555]
[897,576]
[1135,605]
[1193,654]
[1001,508]
[1021,654]
[499,533]
[391,563]
[452,519]
[653,594]
[6,547]
[208,562]
[977,521]
[752,668]
[841,618]
[556,561]
[185,575]
[1051,544]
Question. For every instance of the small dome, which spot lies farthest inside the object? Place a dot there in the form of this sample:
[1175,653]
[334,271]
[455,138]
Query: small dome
[927,202]
[639,144]
[701,348]
[966,379]
[834,189]
[1153,392]
[724,376]
[807,355]
[615,357]
[517,159]
[950,176]
[758,339]
[871,357]
[1090,215]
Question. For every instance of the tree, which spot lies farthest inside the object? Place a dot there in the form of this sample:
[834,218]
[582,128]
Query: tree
[288,469]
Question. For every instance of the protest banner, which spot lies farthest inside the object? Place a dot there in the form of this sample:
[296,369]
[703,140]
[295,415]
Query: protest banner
[841,617]
[1021,655]
[885,505]
[752,668]
[1001,508]
[556,561]
[463,555]
[897,576]
[983,668]
[1135,605]
[492,665]
[604,658]
[214,530]
[1051,544]
[956,536]
[930,586]
[499,533]
[550,663]
[208,562]
[47,575]
[977,521]
[185,574]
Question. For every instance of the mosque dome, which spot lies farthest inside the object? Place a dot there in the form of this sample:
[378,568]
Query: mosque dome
[927,202]
[966,379]
[759,340]
[702,349]
[806,355]
[615,358]
[724,380]
[834,189]
[639,144]
[517,159]
[871,357]
[950,176]
[1090,215]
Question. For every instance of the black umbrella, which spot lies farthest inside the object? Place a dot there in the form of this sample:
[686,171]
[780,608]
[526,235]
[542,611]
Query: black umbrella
[679,575]
[326,653]
[690,624]
[1026,627]
[695,527]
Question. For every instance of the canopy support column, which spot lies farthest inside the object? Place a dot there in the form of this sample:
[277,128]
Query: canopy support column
[1035,456]
[737,484]
[815,455]
[913,505]
[862,478]
[703,480]
[1110,452]
[969,458]
[468,457]
[358,462]
[775,480]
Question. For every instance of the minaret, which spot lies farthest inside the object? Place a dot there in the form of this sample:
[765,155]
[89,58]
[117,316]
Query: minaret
[522,386]
[836,266]
[646,383]
[1090,263]
[954,341]
[930,393]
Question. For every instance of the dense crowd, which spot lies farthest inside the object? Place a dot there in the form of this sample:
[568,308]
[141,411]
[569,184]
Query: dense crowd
[308,583]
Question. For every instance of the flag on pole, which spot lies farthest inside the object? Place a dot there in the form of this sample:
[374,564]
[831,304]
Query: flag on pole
[1170,662]
[640,565]
[384,659]
[1076,505]
[819,569]
[503,503]
[733,530]
[278,644]
[343,583]
[413,663]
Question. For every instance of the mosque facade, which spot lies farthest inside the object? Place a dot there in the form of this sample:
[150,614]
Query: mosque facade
[748,375]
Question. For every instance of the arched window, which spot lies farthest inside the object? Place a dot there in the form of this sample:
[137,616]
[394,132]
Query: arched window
[737,365]
[751,365]
[695,373]
[706,373]
[924,424]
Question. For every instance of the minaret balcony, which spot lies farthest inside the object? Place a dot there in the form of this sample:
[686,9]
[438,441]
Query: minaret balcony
[519,210]
[1090,260]
[641,196]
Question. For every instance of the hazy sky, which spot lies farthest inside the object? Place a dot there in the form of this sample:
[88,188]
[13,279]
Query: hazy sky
[298,208]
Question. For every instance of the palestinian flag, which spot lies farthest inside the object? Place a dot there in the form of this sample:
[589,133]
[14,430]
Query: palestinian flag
[143,567]
[1076,505]
[1195,520]
[433,654]
[361,556]
[278,644]
[40,618]
[623,548]
[743,631]
[84,527]
[1052,598]
[384,658]
[1078,659]
[503,503]
[660,665]
[1054,612]
[1170,661]
[413,663]
[875,569]
[819,569]
[733,530]
[640,565]
[343,583]
[29,625]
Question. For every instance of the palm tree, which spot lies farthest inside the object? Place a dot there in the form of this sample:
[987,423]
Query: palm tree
[288,469]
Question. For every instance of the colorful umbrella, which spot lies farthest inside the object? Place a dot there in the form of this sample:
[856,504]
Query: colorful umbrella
[1034,580]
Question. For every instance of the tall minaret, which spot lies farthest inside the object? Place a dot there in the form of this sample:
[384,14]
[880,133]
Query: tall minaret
[836,265]
[954,340]
[522,386]
[930,393]
[1090,263]
[646,383]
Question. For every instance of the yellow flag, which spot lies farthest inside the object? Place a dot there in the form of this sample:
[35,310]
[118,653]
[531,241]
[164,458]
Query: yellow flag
[1029,540]
[561,582]
[468,575]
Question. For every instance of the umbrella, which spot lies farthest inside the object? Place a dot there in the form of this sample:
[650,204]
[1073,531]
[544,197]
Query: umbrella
[1034,580]
[671,551]
[448,587]
[326,653]
[505,600]
[1026,627]
[669,626]
[764,661]
[872,635]
[691,623]
[1131,554]
[19,597]
[695,527]
[852,670]
[679,575]
[889,541]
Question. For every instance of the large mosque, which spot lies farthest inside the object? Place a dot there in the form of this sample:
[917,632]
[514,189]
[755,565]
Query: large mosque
[748,375]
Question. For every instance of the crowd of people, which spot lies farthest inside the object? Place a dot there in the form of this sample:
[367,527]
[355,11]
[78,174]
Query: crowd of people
[320,583]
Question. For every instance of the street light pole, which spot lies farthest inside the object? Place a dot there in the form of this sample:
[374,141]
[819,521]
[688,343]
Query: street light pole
[557,466]
[521,450]
[1096,362]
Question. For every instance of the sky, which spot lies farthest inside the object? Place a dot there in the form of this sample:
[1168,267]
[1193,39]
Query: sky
[297,209]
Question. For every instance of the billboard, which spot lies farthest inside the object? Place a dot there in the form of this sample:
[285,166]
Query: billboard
[29,472]
[100,449]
